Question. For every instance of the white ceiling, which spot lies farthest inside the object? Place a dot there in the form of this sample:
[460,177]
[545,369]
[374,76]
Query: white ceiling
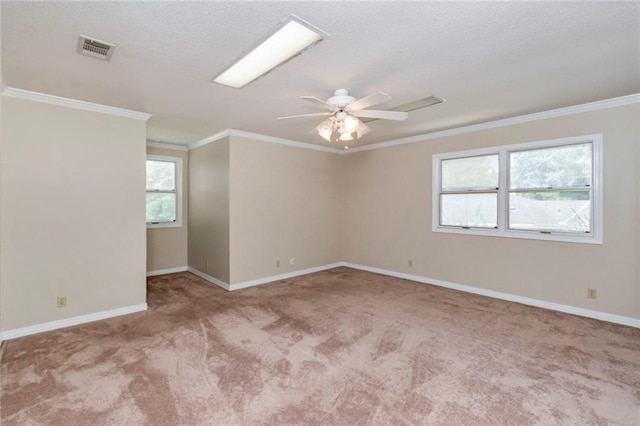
[488,60]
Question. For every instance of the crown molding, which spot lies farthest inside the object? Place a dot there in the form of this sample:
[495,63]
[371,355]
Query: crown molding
[281,141]
[12,92]
[591,106]
[163,145]
[263,138]
[215,137]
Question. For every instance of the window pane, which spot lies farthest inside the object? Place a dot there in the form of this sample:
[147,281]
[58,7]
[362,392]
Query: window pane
[564,211]
[473,210]
[161,207]
[161,175]
[558,167]
[462,174]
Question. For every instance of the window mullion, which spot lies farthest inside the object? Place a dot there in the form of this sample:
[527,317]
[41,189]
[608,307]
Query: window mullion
[503,182]
[471,191]
[162,191]
[552,189]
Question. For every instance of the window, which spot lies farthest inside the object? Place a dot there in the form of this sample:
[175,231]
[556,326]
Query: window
[548,190]
[469,192]
[164,205]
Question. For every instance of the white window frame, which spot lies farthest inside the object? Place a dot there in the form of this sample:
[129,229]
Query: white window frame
[178,168]
[594,237]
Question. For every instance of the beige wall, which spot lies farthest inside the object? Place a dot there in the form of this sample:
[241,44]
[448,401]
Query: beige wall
[209,209]
[284,204]
[387,206]
[167,247]
[2,87]
[72,212]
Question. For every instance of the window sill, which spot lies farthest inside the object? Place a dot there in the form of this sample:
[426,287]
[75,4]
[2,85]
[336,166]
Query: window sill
[526,235]
[164,225]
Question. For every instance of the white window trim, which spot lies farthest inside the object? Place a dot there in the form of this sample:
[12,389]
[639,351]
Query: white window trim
[178,222]
[595,237]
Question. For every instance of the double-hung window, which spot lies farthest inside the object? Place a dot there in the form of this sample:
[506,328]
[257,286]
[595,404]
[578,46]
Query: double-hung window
[469,192]
[548,190]
[164,191]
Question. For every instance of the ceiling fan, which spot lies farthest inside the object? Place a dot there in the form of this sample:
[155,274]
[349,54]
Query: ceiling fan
[344,113]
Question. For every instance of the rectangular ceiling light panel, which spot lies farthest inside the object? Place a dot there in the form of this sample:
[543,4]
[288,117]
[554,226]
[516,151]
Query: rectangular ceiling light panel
[291,39]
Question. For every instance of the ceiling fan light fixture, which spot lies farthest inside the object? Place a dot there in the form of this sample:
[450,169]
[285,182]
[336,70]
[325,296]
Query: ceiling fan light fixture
[350,123]
[363,129]
[325,129]
[326,134]
[344,123]
[293,37]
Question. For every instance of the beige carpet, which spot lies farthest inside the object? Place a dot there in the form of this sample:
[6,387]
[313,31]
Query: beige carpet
[339,347]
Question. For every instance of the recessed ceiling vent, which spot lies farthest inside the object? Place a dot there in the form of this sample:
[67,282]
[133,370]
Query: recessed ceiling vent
[95,48]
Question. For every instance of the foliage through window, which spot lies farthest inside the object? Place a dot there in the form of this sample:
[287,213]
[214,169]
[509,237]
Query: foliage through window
[541,190]
[163,191]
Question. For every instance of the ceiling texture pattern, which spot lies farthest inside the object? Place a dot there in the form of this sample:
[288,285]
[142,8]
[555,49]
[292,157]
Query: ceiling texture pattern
[488,60]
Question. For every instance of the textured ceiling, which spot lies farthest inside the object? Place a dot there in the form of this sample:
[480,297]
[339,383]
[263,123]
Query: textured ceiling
[488,60]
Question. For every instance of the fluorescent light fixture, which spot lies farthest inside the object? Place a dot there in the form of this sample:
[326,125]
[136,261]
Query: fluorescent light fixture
[293,37]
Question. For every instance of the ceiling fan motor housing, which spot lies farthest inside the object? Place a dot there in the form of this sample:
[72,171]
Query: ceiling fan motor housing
[341,99]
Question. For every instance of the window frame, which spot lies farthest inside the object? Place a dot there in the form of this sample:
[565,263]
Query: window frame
[594,237]
[469,192]
[178,179]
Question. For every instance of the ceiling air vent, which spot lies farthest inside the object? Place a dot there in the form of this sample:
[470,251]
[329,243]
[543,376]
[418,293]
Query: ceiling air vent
[95,48]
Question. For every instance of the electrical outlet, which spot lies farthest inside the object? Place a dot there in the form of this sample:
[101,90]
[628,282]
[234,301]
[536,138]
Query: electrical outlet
[277,263]
[292,261]
[592,293]
[206,263]
[410,263]
[62,301]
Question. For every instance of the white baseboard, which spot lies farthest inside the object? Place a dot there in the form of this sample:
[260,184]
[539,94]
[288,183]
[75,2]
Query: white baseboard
[208,277]
[259,281]
[82,319]
[603,316]
[166,271]
[68,322]
[272,278]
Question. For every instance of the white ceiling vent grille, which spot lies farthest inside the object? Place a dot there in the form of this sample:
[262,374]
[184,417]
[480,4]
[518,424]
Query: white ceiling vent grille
[95,48]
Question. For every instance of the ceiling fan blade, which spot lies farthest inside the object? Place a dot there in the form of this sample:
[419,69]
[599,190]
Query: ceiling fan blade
[385,115]
[320,102]
[314,114]
[412,106]
[367,101]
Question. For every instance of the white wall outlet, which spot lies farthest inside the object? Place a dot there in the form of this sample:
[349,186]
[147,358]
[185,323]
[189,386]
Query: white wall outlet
[62,301]
[292,261]
[592,293]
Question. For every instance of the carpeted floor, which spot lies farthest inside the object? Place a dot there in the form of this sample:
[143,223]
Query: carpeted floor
[341,347]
